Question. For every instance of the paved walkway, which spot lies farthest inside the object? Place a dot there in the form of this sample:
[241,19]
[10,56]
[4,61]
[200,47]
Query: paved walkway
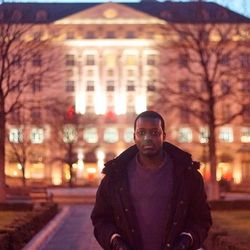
[73,231]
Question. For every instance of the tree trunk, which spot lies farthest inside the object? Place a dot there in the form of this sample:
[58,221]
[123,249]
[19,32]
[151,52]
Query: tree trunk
[213,188]
[23,177]
[2,151]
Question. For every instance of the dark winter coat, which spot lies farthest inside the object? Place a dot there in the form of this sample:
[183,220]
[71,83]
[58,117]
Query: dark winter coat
[114,213]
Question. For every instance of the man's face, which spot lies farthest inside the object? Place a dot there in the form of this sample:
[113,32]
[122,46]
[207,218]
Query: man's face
[149,136]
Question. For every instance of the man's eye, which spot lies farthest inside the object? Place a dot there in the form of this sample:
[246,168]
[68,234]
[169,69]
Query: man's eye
[141,133]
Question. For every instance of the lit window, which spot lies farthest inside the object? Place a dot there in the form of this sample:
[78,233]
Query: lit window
[111,135]
[70,86]
[131,60]
[15,135]
[226,134]
[130,73]
[130,86]
[185,135]
[90,86]
[151,60]
[90,73]
[110,60]
[70,60]
[203,135]
[129,135]
[110,72]
[90,60]
[70,35]
[90,135]
[69,134]
[37,135]
[245,134]
[110,85]
[151,85]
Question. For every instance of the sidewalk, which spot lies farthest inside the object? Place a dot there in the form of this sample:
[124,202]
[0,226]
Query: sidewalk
[70,230]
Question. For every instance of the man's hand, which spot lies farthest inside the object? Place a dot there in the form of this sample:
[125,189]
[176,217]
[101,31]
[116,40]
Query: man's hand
[183,242]
[119,244]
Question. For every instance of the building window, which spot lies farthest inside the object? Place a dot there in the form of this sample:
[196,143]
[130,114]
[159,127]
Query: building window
[204,135]
[130,34]
[150,85]
[224,60]
[90,73]
[110,86]
[15,115]
[246,113]
[69,134]
[35,113]
[184,115]
[225,87]
[110,34]
[183,60]
[36,86]
[245,60]
[185,135]
[37,135]
[151,60]
[15,86]
[90,86]
[246,86]
[90,60]
[131,73]
[90,135]
[37,36]
[37,60]
[183,86]
[129,135]
[245,134]
[15,135]
[17,60]
[90,35]
[110,60]
[245,171]
[70,35]
[70,86]
[111,135]
[16,16]
[226,111]
[130,86]
[69,60]
[226,134]
[131,60]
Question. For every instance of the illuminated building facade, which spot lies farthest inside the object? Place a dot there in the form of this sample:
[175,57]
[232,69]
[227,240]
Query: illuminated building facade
[109,70]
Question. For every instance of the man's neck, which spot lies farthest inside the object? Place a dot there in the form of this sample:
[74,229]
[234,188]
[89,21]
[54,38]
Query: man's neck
[152,162]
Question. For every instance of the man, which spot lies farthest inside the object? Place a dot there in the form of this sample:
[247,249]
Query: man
[152,196]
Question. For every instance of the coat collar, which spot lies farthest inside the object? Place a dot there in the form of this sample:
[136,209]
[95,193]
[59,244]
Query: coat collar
[181,159]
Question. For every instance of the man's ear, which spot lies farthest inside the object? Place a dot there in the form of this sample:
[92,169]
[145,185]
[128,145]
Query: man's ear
[164,135]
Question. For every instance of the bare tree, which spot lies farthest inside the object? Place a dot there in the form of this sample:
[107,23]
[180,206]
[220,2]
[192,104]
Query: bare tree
[23,65]
[212,63]
[66,129]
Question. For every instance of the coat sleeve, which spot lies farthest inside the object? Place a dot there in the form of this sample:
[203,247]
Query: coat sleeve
[102,217]
[199,218]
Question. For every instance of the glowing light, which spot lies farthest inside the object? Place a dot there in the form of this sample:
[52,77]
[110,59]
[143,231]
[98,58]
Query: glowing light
[56,176]
[19,166]
[91,170]
[100,104]
[80,102]
[110,43]
[14,173]
[120,104]
[141,104]
[100,162]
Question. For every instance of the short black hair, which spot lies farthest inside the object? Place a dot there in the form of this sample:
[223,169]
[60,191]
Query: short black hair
[150,114]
